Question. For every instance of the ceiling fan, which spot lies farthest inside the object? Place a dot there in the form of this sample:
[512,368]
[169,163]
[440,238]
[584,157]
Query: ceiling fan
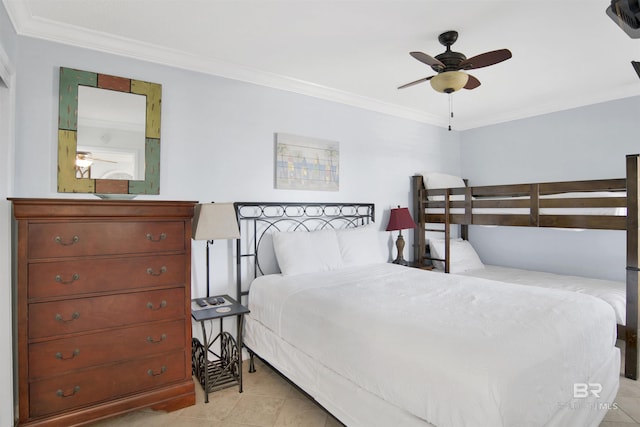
[84,159]
[451,65]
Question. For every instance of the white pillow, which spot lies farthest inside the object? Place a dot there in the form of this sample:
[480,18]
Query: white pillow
[361,245]
[441,180]
[433,180]
[462,255]
[300,252]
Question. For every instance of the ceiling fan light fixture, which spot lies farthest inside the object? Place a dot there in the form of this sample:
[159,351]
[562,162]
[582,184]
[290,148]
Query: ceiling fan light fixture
[83,159]
[449,81]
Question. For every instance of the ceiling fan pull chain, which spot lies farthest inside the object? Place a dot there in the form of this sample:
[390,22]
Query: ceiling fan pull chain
[450,110]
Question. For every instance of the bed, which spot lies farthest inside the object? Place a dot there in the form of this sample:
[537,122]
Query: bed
[463,259]
[379,344]
[610,204]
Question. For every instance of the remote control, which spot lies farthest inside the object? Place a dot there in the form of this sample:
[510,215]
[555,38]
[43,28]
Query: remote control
[201,302]
[221,300]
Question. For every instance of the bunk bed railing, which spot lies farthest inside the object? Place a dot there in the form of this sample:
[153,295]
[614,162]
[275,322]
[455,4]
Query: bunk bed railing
[521,204]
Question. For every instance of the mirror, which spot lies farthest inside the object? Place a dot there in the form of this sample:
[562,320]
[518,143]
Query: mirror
[108,134]
[111,138]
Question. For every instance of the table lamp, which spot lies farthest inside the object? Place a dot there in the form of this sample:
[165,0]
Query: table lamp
[214,221]
[400,219]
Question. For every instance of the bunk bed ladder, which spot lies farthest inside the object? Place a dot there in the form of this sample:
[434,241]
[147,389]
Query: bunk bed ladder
[419,240]
[633,261]
[419,211]
[420,252]
[447,231]
[464,226]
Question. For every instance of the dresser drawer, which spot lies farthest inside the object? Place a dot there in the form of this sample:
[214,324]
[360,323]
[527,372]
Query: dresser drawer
[91,386]
[50,358]
[67,239]
[49,279]
[49,319]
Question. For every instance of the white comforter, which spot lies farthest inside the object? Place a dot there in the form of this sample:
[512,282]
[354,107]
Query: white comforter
[612,292]
[453,350]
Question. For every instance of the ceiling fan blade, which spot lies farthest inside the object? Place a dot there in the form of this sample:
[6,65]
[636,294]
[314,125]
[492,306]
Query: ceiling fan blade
[86,155]
[436,64]
[485,59]
[472,83]
[416,82]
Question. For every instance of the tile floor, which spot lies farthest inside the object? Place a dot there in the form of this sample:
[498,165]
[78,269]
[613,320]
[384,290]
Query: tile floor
[267,400]
[270,401]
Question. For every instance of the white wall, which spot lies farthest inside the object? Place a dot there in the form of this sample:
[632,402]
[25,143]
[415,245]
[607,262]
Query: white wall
[584,143]
[218,144]
[7,85]
[218,138]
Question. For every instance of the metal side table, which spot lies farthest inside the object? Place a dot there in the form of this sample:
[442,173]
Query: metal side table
[216,371]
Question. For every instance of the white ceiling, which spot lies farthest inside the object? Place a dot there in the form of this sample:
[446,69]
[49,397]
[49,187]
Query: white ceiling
[566,53]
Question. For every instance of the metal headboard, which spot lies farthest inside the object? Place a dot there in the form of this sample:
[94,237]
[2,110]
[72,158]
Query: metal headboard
[258,221]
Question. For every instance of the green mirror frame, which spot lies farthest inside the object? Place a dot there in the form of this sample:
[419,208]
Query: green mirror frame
[68,182]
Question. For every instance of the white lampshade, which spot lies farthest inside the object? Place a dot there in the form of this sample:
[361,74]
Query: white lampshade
[215,221]
[449,81]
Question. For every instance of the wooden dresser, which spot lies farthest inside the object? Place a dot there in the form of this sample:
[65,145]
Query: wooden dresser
[103,320]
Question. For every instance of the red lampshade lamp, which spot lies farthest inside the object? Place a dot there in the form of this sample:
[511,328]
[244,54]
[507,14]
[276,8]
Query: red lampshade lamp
[400,219]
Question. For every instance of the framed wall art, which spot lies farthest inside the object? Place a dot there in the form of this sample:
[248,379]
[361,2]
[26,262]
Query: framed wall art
[305,163]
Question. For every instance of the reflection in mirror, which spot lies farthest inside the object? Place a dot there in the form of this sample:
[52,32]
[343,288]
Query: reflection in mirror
[111,140]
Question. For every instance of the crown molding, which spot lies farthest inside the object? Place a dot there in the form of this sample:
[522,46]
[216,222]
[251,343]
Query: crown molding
[6,67]
[27,25]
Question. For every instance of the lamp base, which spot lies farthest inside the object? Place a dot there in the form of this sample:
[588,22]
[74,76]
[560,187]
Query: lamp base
[400,248]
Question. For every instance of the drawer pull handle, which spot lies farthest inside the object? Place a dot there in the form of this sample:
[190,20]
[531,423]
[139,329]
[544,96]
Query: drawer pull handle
[154,374]
[152,341]
[60,393]
[75,277]
[73,241]
[162,237]
[150,306]
[150,271]
[74,316]
[75,353]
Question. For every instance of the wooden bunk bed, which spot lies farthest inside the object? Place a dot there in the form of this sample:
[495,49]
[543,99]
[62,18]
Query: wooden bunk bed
[550,204]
